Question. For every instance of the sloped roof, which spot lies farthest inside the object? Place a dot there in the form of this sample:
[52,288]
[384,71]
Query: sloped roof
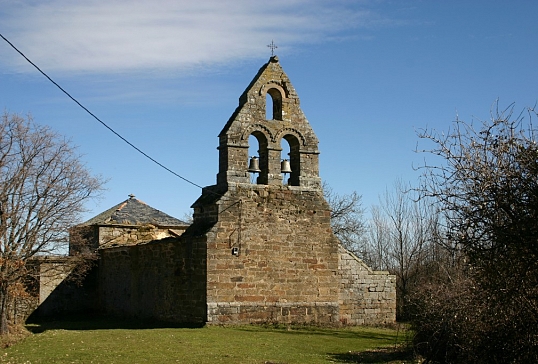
[134,212]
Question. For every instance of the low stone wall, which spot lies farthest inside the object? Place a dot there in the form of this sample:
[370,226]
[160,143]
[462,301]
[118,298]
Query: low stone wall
[366,297]
[162,280]
[271,282]
[62,290]
[319,313]
[52,273]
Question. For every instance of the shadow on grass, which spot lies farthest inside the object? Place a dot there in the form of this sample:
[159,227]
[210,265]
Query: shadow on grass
[98,322]
[332,332]
[383,355]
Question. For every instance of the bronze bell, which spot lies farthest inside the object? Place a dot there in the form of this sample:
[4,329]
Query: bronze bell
[254,165]
[285,166]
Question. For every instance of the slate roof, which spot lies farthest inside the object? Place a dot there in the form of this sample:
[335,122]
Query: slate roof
[134,212]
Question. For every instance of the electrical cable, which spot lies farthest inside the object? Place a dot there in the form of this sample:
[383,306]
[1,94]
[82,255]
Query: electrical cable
[234,200]
[96,118]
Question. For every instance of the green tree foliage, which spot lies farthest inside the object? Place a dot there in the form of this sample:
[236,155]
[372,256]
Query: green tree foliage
[43,187]
[486,185]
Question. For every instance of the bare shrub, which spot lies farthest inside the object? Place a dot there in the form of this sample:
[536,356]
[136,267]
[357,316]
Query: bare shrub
[486,186]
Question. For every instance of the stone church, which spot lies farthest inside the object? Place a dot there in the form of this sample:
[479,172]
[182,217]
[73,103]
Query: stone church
[260,247]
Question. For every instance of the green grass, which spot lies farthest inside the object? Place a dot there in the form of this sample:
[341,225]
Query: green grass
[124,342]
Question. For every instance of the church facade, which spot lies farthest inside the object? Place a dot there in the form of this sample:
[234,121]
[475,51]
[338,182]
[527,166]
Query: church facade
[260,247]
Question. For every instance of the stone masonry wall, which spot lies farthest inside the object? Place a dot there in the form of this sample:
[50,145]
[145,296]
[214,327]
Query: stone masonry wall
[51,274]
[255,253]
[290,126]
[366,297]
[162,280]
[63,289]
[133,234]
[286,265]
[89,238]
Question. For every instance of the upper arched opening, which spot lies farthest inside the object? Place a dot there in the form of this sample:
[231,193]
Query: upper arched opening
[273,106]
[273,103]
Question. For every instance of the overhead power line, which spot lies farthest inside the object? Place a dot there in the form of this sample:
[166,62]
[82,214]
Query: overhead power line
[96,118]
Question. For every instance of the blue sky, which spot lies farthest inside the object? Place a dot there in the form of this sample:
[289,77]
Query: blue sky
[167,75]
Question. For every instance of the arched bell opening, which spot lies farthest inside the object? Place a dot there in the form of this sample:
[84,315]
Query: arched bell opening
[285,165]
[291,146]
[258,158]
[273,104]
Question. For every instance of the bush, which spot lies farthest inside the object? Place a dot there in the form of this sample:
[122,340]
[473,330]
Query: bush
[487,188]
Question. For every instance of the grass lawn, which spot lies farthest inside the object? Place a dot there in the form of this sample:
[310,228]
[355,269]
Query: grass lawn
[103,341]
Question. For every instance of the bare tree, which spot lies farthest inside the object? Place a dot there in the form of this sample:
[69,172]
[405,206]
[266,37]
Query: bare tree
[347,218]
[402,232]
[486,184]
[379,237]
[43,186]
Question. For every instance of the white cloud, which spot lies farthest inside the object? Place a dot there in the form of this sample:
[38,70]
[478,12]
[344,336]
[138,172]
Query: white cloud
[125,35]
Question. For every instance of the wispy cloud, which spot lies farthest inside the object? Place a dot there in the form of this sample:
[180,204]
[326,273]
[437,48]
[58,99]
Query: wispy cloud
[102,36]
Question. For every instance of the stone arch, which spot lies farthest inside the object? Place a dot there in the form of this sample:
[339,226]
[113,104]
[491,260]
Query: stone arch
[280,134]
[277,94]
[272,85]
[294,157]
[269,136]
